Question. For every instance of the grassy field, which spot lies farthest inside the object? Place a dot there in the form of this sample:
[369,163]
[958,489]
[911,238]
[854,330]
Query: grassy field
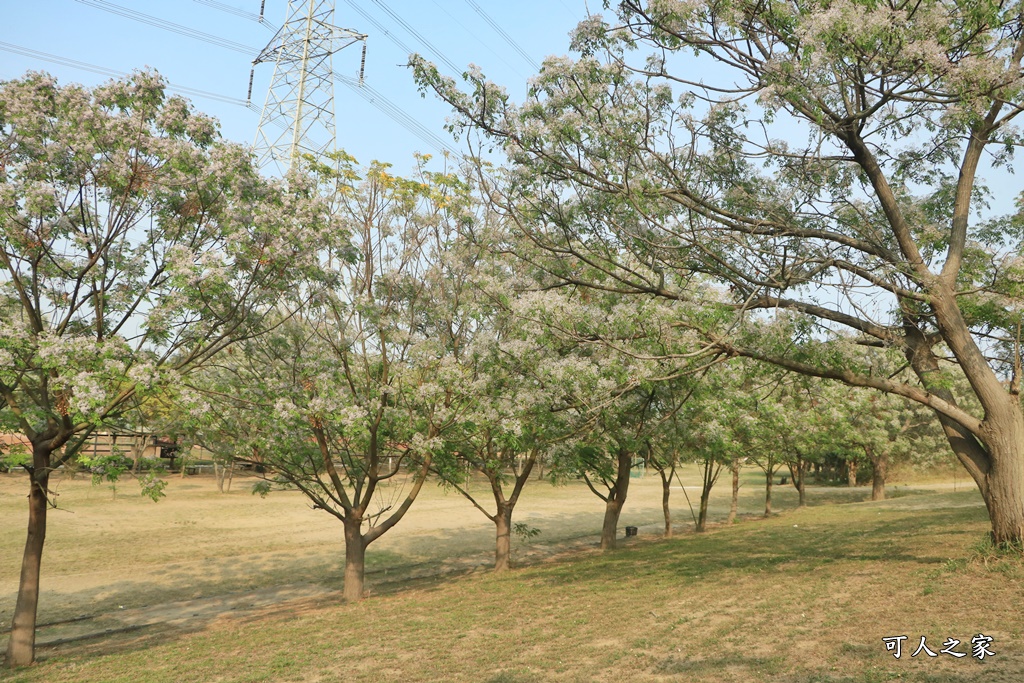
[804,596]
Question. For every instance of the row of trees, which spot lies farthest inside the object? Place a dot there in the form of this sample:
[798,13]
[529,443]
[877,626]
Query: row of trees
[152,276]
[589,304]
[821,159]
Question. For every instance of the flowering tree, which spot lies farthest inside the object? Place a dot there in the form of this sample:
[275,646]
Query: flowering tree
[691,426]
[615,369]
[134,246]
[512,415]
[887,429]
[349,397]
[664,451]
[822,158]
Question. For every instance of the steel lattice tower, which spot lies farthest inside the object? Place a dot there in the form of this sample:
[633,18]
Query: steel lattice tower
[298,115]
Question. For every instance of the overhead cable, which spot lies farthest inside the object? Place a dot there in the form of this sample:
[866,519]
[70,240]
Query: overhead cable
[397,114]
[477,38]
[114,73]
[168,26]
[500,31]
[224,7]
[380,27]
[404,24]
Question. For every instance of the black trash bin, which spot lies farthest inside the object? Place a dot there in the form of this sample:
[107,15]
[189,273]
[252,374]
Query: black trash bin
[631,531]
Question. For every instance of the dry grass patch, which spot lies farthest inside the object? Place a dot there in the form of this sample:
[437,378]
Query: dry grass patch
[803,597]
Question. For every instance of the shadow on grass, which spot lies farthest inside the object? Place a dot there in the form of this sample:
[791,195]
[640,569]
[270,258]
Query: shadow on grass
[797,542]
[756,666]
[514,677]
[779,668]
[808,538]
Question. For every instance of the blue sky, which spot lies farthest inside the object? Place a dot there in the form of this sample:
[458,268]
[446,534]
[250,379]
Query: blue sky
[79,30]
[83,32]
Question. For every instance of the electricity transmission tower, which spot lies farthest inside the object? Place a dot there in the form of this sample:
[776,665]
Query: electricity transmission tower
[298,115]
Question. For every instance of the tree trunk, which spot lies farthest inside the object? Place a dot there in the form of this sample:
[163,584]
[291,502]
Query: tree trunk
[735,504]
[709,475]
[800,484]
[355,560]
[879,465]
[851,472]
[997,465]
[666,486]
[1005,489]
[796,472]
[616,499]
[702,514]
[21,647]
[138,444]
[503,539]
[609,529]
[768,476]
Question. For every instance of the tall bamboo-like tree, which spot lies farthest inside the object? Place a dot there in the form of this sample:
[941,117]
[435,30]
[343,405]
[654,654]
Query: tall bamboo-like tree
[822,157]
[134,246]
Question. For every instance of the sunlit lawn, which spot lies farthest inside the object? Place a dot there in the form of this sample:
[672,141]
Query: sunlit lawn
[804,596]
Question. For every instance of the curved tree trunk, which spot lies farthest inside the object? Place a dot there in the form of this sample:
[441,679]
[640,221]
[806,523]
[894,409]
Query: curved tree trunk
[22,643]
[355,560]
[612,510]
[997,464]
[616,499]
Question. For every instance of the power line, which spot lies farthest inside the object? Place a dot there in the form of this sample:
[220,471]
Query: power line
[397,114]
[393,111]
[500,31]
[114,73]
[168,26]
[224,7]
[476,38]
[568,11]
[380,27]
[404,24]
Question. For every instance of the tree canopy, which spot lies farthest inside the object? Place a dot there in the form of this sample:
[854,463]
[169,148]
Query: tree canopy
[818,159]
[134,247]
